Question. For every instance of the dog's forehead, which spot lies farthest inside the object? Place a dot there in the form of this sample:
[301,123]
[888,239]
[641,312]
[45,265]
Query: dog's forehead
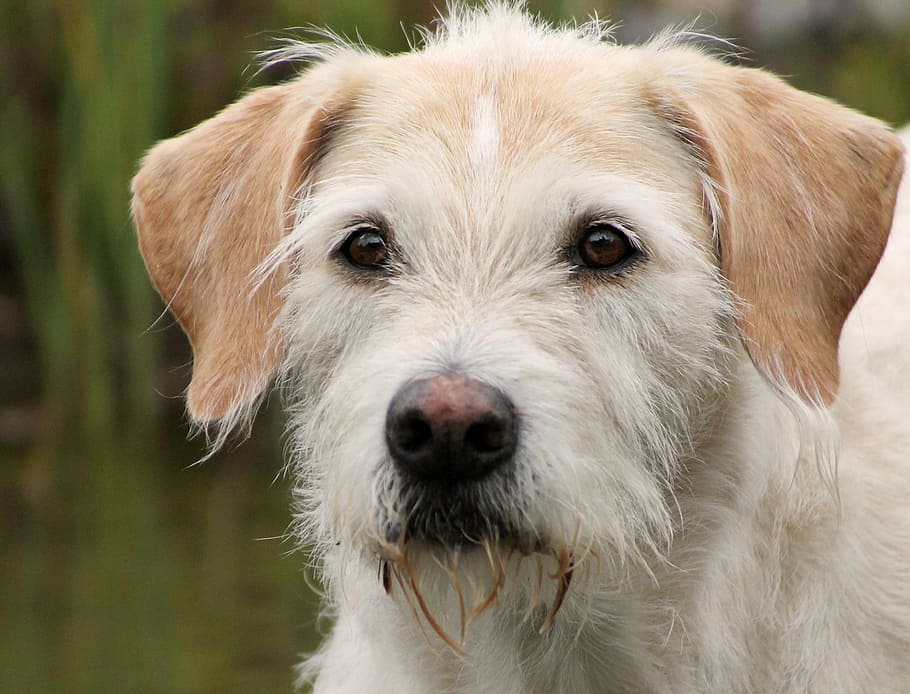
[519,108]
[481,144]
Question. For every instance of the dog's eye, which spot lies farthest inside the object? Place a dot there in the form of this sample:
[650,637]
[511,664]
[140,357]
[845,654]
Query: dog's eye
[366,248]
[603,245]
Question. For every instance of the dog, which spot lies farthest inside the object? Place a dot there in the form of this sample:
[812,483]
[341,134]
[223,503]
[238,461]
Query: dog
[586,390]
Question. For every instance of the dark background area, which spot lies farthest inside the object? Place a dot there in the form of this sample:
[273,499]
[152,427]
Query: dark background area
[123,566]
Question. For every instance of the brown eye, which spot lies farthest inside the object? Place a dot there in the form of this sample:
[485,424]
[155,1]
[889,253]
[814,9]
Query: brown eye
[603,245]
[366,248]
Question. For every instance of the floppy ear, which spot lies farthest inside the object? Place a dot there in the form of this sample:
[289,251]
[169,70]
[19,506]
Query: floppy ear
[209,206]
[803,193]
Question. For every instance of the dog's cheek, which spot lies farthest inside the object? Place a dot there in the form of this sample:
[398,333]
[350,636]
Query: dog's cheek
[606,471]
[658,355]
[684,324]
[323,319]
[331,379]
[339,448]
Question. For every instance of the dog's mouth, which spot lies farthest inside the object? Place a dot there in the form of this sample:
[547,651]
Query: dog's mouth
[455,516]
[454,545]
[398,573]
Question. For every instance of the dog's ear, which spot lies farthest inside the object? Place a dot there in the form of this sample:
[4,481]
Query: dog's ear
[801,192]
[209,207]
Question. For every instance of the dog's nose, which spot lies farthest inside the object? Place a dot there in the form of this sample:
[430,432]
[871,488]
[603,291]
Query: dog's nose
[450,428]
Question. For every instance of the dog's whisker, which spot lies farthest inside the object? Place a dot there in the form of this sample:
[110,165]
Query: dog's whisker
[431,620]
[538,592]
[413,609]
[450,568]
[456,582]
[411,588]
[392,553]
[565,579]
[522,557]
[564,560]
[385,578]
[580,560]
[497,581]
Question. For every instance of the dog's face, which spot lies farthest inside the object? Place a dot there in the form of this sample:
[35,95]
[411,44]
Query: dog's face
[546,243]
[510,280]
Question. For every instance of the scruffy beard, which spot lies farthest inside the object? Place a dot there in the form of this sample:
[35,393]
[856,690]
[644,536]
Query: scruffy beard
[434,578]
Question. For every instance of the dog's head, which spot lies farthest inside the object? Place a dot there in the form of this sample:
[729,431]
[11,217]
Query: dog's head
[509,279]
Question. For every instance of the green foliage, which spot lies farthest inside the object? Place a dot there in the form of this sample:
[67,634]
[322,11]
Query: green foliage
[80,110]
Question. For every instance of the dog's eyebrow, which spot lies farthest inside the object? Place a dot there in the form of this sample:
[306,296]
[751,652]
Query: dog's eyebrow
[326,212]
[581,219]
[340,234]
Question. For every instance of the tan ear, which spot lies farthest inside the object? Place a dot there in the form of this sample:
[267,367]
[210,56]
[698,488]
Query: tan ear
[209,207]
[806,191]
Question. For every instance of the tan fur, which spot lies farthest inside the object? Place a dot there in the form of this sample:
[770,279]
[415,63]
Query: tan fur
[209,207]
[807,190]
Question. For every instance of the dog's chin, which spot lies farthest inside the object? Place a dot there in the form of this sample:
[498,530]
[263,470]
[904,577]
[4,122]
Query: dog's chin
[442,532]
[455,517]
[497,539]
[451,551]
[449,576]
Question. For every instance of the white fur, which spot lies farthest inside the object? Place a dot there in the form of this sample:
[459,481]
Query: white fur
[715,556]
[485,143]
[726,536]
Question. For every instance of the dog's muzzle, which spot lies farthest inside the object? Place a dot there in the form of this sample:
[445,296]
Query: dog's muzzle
[448,437]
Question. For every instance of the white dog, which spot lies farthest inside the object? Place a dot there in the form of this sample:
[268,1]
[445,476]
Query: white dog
[557,322]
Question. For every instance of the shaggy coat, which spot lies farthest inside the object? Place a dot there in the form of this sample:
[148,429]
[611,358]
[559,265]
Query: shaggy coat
[709,485]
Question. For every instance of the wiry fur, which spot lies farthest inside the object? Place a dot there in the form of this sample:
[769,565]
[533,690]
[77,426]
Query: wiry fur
[689,508]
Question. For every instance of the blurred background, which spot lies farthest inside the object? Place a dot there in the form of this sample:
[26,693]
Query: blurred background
[123,568]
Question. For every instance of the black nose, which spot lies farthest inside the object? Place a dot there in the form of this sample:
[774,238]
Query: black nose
[450,428]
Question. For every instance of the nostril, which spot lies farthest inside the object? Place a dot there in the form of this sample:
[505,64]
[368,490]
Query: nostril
[487,436]
[412,432]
